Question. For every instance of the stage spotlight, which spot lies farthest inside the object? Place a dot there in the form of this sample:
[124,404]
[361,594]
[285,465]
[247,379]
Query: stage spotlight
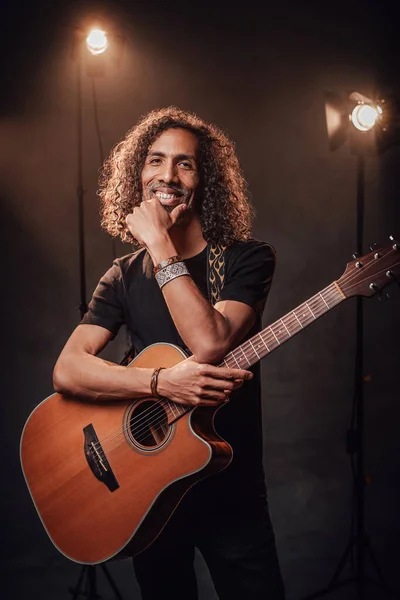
[96,41]
[369,124]
[366,113]
[365,116]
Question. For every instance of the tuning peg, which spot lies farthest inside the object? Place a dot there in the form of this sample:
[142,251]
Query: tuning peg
[356,254]
[396,245]
[373,246]
[391,275]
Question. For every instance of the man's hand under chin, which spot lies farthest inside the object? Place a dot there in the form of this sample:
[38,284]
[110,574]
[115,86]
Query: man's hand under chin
[150,222]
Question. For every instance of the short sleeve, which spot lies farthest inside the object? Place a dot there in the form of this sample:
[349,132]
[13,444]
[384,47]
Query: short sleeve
[106,306]
[249,271]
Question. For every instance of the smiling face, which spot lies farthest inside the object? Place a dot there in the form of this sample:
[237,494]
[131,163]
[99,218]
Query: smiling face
[171,170]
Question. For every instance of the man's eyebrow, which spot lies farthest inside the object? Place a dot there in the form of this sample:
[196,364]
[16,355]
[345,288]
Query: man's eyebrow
[178,156]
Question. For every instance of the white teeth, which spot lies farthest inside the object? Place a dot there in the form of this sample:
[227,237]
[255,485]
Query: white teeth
[165,196]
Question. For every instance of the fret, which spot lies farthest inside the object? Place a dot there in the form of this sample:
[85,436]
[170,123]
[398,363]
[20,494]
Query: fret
[244,354]
[257,339]
[306,303]
[283,323]
[274,335]
[305,316]
[264,342]
[280,333]
[293,312]
[171,408]
[174,410]
[254,350]
[230,354]
[326,304]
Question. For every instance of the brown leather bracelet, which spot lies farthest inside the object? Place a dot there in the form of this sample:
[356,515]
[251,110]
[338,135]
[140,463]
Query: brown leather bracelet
[154,382]
[166,262]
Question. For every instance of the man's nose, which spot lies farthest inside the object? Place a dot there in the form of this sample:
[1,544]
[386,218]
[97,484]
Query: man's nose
[169,172]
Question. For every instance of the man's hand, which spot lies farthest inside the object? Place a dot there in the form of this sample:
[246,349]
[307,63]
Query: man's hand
[190,382]
[150,222]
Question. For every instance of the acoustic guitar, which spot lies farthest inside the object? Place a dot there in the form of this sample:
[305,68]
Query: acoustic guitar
[105,478]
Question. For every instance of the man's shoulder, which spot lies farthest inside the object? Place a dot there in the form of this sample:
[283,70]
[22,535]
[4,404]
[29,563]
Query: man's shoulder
[130,261]
[251,247]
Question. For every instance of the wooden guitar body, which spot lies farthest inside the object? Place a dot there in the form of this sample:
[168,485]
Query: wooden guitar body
[103,480]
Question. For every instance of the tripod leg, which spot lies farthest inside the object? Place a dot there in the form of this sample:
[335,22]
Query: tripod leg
[92,584]
[374,560]
[76,591]
[341,563]
[111,582]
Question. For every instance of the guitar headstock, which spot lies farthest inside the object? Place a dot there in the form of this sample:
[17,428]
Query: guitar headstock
[369,274]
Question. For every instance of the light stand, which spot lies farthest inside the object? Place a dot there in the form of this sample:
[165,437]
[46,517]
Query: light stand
[358,544]
[96,44]
[79,188]
[87,584]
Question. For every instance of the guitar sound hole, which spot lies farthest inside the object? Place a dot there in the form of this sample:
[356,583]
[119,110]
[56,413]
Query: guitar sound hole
[148,424]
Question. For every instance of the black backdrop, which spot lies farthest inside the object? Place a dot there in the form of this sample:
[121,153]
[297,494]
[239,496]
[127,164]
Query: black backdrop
[260,73]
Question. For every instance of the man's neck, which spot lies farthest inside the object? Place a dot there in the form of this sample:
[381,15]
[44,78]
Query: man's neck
[187,237]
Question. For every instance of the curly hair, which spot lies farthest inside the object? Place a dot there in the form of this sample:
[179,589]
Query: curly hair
[225,210]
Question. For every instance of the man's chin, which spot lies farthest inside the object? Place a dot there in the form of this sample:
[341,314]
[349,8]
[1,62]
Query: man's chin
[170,207]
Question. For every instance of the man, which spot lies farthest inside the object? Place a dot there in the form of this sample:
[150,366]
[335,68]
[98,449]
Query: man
[174,187]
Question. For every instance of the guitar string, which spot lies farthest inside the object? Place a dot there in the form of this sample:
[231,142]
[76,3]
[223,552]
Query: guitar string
[156,411]
[151,411]
[249,347]
[238,353]
[158,421]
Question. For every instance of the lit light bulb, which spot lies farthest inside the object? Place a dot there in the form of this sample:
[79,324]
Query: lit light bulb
[97,41]
[364,116]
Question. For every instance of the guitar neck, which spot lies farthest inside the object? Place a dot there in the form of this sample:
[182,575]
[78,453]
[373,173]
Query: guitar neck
[270,338]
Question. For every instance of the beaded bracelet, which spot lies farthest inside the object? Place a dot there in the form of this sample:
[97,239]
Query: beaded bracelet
[171,272]
[167,261]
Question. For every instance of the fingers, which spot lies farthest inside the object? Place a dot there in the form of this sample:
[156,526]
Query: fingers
[177,212]
[203,402]
[210,383]
[213,398]
[225,373]
[216,395]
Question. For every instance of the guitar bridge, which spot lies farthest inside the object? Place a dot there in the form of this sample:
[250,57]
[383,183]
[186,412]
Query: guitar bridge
[97,460]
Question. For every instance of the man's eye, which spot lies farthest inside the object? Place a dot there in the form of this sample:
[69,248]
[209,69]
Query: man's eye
[153,161]
[187,165]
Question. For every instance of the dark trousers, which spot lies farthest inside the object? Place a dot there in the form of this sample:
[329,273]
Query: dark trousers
[237,544]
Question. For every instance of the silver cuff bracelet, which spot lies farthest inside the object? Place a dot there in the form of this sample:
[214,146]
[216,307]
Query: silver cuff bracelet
[171,272]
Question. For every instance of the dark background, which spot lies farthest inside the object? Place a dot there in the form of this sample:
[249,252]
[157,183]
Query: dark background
[260,72]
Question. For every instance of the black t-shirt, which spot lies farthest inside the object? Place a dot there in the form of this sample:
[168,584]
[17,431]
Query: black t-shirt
[129,294]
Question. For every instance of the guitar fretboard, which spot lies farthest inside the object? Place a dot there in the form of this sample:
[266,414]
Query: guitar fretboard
[272,337]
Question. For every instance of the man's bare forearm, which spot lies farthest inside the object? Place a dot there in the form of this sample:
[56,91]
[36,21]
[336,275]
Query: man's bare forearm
[204,329]
[92,378]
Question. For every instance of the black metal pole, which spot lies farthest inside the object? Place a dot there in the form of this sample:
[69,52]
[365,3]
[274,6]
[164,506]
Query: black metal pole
[80,190]
[359,396]
[358,541]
